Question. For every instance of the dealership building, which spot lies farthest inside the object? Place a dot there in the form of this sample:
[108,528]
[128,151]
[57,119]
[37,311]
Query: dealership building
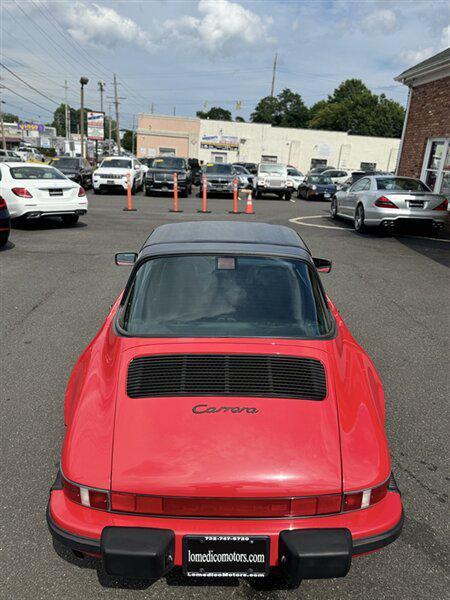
[425,143]
[230,141]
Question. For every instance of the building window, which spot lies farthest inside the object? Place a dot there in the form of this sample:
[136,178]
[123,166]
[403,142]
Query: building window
[318,162]
[268,158]
[436,165]
[167,151]
[367,166]
[219,157]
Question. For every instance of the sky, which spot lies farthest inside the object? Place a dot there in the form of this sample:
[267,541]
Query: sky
[180,56]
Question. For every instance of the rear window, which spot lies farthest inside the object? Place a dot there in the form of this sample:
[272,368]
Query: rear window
[113,163]
[401,184]
[27,172]
[224,296]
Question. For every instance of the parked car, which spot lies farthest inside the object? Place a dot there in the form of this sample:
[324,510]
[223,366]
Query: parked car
[320,169]
[29,154]
[295,176]
[250,166]
[244,176]
[196,170]
[76,169]
[5,223]
[339,176]
[224,415]
[113,173]
[388,200]
[160,176]
[317,187]
[33,191]
[10,156]
[272,178]
[353,177]
[219,179]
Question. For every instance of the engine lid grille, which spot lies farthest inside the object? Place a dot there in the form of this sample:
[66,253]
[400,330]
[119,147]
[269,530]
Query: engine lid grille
[226,375]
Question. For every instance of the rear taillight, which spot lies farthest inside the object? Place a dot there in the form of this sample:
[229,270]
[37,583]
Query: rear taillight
[85,496]
[226,507]
[442,206]
[366,498]
[383,202]
[2,203]
[81,192]
[21,192]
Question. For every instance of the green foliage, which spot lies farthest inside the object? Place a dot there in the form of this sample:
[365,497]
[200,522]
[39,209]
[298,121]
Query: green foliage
[127,141]
[239,119]
[285,110]
[10,118]
[215,113]
[354,108]
[51,152]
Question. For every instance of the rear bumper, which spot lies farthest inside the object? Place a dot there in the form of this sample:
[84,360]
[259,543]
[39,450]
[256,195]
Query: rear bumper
[377,217]
[331,541]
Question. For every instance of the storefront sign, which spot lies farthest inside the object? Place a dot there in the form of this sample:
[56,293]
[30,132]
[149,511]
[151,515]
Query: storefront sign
[95,126]
[27,126]
[220,142]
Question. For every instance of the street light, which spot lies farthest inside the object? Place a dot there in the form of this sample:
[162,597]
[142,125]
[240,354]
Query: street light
[83,81]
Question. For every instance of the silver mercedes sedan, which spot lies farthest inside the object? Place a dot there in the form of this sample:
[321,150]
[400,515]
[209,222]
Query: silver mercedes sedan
[389,200]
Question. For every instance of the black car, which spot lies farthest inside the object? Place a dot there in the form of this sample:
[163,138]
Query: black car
[317,187]
[146,161]
[5,223]
[75,168]
[252,167]
[159,177]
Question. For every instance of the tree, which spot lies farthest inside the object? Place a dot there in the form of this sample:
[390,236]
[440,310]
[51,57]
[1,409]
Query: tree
[127,141]
[240,119]
[354,108]
[285,110]
[10,118]
[215,113]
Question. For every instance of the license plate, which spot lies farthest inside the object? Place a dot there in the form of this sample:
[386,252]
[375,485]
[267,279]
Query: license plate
[225,556]
[165,188]
[110,182]
[326,195]
[415,204]
[55,192]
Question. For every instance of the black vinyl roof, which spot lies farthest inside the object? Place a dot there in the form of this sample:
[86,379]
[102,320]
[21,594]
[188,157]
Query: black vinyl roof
[225,237]
[225,232]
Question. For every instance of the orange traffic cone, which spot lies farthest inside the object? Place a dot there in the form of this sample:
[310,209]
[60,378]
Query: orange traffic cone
[249,208]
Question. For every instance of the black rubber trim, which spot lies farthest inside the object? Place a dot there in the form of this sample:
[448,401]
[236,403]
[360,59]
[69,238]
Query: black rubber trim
[75,542]
[57,484]
[362,545]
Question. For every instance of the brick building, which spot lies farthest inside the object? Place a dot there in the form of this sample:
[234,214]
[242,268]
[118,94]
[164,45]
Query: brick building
[425,144]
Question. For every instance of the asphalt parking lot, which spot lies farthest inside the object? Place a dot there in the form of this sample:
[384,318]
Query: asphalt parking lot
[57,285]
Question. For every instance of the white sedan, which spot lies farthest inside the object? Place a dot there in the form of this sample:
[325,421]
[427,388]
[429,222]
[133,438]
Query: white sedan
[33,191]
[113,173]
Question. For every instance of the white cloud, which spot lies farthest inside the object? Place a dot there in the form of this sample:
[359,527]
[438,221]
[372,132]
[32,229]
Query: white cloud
[224,25]
[380,21]
[102,26]
[413,57]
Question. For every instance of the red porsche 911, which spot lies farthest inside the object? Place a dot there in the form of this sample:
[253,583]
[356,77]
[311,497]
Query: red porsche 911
[224,420]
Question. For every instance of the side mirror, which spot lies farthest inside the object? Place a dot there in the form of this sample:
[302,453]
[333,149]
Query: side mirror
[323,265]
[125,259]
[137,167]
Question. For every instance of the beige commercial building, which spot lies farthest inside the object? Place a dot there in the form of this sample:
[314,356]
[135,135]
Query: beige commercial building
[230,141]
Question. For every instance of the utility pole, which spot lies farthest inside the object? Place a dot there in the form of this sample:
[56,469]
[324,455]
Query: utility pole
[110,128]
[174,110]
[116,103]
[273,75]
[66,112]
[132,136]
[152,108]
[83,81]
[2,102]
[101,87]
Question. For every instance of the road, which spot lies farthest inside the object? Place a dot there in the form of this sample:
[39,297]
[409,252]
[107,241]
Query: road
[56,287]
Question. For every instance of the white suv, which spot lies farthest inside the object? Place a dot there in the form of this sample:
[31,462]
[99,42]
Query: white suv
[113,174]
[272,178]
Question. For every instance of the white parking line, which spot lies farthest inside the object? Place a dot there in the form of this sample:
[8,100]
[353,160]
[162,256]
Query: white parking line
[300,221]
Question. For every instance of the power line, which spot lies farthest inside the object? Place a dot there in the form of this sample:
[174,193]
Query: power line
[27,99]
[27,84]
